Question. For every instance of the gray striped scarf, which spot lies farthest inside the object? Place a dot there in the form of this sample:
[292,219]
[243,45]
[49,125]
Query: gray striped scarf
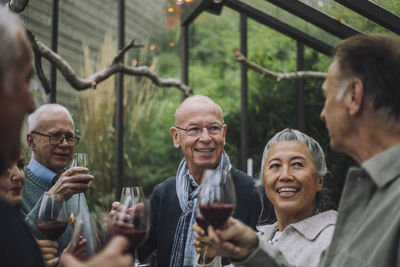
[183,252]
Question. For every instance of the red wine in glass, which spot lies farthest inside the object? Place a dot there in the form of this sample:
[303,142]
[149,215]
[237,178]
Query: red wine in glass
[202,222]
[133,219]
[199,217]
[52,216]
[217,214]
[133,232]
[137,237]
[217,197]
[52,230]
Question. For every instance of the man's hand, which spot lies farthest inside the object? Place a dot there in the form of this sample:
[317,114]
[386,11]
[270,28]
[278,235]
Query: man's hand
[112,256]
[236,240]
[73,181]
[49,250]
[202,245]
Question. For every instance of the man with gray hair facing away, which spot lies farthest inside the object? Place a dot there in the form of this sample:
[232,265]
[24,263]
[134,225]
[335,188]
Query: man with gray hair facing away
[51,137]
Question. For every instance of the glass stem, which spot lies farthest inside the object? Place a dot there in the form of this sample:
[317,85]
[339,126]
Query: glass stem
[137,263]
[79,202]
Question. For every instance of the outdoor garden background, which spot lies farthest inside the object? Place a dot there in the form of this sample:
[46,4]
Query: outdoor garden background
[88,41]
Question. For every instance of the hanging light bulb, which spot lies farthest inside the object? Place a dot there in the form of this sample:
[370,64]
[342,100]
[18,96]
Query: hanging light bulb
[218,1]
[179,2]
[188,1]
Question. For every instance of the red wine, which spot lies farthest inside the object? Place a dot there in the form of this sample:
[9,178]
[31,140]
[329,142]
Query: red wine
[216,214]
[135,236]
[201,222]
[52,230]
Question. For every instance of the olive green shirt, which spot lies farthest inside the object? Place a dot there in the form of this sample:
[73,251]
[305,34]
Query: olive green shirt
[367,230]
[368,226]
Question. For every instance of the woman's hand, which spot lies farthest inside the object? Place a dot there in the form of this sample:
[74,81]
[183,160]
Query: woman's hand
[236,240]
[49,250]
[202,245]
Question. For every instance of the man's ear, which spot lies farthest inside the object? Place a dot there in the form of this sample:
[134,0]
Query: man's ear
[354,96]
[175,137]
[31,143]
[224,129]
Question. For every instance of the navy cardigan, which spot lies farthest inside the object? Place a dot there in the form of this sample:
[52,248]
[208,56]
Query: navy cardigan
[165,213]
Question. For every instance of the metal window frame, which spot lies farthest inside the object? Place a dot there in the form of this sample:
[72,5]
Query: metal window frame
[307,13]
[374,12]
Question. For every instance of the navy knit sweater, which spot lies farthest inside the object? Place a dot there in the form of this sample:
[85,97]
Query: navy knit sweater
[165,213]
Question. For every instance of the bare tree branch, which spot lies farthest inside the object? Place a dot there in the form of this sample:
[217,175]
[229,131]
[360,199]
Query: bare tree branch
[277,75]
[79,84]
[38,63]
[17,6]
[122,52]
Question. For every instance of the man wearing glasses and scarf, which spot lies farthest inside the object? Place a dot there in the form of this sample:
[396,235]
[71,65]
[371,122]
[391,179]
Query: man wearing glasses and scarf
[200,132]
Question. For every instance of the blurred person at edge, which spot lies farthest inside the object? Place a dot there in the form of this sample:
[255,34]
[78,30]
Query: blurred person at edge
[18,246]
[200,132]
[293,168]
[362,115]
[11,187]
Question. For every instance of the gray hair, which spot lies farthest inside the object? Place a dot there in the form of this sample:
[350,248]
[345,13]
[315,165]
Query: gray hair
[295,135]
[11,29]
[34,118]
[375,60]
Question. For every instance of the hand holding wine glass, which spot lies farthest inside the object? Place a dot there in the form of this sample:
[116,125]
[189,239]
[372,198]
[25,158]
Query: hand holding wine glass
[52,217]
[133,218]
[73,181]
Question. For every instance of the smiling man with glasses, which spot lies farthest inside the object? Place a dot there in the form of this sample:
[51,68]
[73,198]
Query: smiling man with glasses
[200,132]
[51,137]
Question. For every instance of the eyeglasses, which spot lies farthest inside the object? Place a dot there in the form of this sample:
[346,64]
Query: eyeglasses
[197,130]
[58,138]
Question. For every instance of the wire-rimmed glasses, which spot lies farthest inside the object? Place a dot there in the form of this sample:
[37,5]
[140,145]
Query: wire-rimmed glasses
[57,138]
[196,130]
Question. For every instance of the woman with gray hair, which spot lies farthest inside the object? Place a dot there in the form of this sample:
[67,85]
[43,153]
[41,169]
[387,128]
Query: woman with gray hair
[293,169]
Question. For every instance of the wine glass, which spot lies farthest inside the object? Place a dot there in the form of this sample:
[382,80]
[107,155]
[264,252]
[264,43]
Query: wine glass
[133,219]
[217,197]
[80,160]
[94,227]
[52,217]
[202,222]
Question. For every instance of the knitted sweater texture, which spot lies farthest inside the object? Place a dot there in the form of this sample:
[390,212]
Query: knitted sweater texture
[165,213]
[34,188]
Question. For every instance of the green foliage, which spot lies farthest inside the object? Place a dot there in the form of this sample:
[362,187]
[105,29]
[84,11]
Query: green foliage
[149,154]
[148,114]
[272,105]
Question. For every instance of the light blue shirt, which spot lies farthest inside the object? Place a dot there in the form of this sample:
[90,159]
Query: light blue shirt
[41,171]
